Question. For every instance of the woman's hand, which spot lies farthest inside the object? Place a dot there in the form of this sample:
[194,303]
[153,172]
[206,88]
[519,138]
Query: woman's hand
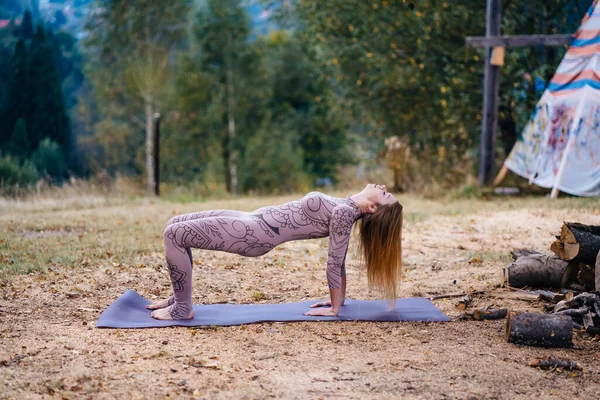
[321,304]
[322,312]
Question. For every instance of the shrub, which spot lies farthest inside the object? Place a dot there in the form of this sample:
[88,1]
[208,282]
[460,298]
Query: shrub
[13,173]
[49,159]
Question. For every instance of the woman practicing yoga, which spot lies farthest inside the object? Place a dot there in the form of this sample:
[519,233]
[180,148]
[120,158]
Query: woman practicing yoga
[316,215]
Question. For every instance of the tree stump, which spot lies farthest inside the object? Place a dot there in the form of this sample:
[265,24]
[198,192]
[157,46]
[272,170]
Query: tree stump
[578,242]
[540,270]
[533,329]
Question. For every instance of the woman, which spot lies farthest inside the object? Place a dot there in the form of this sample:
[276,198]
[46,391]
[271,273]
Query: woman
[316,215]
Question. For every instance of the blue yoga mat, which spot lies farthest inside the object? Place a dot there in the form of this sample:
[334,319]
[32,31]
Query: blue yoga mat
[129,311]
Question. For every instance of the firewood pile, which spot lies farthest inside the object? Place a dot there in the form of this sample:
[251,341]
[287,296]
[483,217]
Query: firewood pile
[573,270]
[568,281]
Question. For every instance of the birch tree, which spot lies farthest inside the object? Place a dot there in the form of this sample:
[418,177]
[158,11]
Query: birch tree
[131,50]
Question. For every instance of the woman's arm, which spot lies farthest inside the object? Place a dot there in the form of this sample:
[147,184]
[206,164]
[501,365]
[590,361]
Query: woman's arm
[340,228]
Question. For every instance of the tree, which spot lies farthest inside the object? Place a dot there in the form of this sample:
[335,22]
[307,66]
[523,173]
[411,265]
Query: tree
[406,71]
[131,59]
[27,29]
[59,19]
[222,31]
[18,92]
[46,116]
[305,102]
[19,145]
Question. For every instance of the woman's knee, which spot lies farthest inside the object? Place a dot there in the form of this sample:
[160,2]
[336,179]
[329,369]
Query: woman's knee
[173,220]
[169,235]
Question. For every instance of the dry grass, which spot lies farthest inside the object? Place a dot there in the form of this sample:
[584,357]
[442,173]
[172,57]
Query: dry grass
[64,258]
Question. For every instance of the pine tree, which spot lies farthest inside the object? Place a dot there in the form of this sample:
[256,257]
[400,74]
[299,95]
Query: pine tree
[27,26]
[47,116]
[18,93]
[19,145]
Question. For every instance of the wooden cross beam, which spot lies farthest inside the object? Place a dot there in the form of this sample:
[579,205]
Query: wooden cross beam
[518,40]
[491,79]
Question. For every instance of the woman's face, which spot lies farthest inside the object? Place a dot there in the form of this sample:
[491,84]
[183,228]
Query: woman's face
[378,194]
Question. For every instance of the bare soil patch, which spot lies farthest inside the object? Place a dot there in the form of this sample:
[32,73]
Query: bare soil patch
[49,347]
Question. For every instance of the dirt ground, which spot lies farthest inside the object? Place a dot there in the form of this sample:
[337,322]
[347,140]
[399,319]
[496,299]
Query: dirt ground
[83,253]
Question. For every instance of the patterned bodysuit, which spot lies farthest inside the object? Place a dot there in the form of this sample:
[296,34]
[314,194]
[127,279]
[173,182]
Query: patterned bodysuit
[253,234]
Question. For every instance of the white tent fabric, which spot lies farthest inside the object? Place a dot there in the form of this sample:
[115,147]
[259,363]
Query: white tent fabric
[560,146]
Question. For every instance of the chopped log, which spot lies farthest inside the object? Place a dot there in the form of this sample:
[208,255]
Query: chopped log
[578,242]
[593,330]
[574,312]
[467,315]
[586,276]
[577,288]
[522,295]
[588,320]
[597,279]
[534,329]
[464,302]
[580,300]
[541,270]
[553,363]
[485,314]
[521,253]
[550,296]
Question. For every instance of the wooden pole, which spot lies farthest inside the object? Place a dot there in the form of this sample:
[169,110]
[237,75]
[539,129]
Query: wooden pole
[157,154]
[491,89]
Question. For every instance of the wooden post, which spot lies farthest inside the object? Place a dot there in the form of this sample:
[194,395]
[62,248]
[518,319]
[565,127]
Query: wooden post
[491,89]
[157,154]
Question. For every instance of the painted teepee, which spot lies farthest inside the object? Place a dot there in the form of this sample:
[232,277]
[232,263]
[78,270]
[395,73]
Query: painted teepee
[560,146]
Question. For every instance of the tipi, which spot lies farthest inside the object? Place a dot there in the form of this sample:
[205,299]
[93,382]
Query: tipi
[560,145]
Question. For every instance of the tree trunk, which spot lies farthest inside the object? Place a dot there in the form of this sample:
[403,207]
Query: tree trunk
[533,329]
[149,111]
[540,270]
[578,243]
[231,120]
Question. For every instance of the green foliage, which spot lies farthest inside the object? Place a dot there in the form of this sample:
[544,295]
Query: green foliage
[406,71]
[49,159]
[13,172]
[113,149]
[19,144]
[272,160]
[46,116]
[131,52]
[27,26]
[18,93]
[307,103]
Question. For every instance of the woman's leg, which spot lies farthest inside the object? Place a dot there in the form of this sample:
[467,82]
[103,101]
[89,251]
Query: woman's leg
[189,217]
[245,236]
[206,214]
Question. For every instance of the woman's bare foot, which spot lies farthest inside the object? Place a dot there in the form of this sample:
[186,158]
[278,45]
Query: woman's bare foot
[161,304]
[170,313]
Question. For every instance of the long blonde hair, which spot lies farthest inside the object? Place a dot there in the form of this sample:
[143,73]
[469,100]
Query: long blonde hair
[380,247]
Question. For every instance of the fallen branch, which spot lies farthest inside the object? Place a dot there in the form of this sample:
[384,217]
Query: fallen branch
[526,296]
[553,363]
[451,295]
[485,314]
[574,312]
